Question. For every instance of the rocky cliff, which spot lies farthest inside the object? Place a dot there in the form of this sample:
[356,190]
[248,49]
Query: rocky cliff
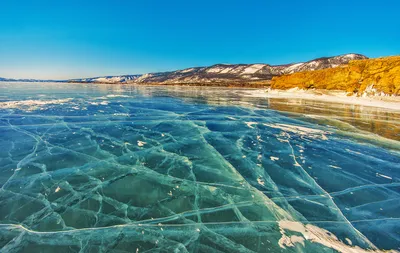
[380,76]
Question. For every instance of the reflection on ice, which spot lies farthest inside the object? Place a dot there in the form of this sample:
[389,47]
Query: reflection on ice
[135,169]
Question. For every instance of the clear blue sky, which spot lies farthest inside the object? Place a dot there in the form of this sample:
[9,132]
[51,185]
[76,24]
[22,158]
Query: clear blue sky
[84,38]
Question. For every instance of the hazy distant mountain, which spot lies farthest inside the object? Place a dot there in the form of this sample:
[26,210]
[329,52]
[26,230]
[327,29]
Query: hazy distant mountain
[107,79]
[2,79]
[219,73]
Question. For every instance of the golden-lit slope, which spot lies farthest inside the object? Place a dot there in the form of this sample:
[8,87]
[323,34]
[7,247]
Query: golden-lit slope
[359,76]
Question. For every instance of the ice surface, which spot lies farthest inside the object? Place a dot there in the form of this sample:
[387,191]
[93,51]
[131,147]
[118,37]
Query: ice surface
[108,168]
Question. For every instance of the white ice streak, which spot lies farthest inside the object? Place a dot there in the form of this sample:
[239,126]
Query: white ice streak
[384,176]
[117,96]
[304,131]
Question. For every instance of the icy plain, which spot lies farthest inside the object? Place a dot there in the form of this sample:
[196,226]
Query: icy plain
[111,168]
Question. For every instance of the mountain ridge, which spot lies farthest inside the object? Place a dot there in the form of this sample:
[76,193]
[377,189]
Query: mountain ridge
[228,73]
[217,74]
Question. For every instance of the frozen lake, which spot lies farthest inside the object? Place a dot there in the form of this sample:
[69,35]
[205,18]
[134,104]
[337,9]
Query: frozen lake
[113,168]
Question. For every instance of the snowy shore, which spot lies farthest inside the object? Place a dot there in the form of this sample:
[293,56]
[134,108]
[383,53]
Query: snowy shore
[388,102]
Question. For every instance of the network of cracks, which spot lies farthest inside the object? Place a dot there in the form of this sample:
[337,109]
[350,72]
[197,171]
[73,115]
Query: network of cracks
[133,173]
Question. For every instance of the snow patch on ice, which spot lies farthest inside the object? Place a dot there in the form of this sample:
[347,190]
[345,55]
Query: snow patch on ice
[314,234]
[250,124]
[141,143]
[273,158]
[30,105]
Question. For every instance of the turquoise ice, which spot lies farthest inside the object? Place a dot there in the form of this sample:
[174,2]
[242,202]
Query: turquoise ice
[103,168]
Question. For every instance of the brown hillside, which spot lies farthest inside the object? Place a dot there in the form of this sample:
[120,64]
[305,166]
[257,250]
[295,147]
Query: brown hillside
[356,77]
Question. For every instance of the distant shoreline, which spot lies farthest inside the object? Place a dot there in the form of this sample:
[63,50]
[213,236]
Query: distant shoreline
[334,96]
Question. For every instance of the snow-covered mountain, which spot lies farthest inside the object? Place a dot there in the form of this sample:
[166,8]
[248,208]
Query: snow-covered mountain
[243,72]
[222,73]
[323,63]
